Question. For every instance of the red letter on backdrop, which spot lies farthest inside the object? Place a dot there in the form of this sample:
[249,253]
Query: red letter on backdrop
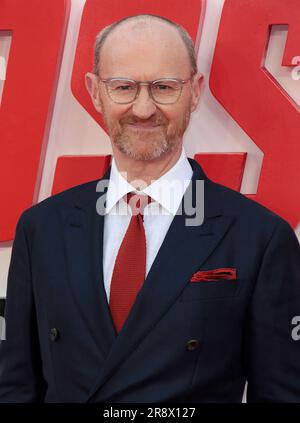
[99,13]
[38,33]
[244,87]
[96,15]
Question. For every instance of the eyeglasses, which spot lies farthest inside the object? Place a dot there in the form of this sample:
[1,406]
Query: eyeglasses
[162,91]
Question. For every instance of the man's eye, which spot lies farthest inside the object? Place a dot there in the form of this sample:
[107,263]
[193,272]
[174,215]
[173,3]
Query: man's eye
[163,87]
[123,88]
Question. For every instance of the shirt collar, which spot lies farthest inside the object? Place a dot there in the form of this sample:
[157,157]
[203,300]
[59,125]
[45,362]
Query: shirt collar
[168,190]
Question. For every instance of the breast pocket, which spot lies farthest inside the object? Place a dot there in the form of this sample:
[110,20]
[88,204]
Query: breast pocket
[203,290]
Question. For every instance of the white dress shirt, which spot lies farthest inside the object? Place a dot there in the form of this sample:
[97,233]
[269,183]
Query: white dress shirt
[166,192]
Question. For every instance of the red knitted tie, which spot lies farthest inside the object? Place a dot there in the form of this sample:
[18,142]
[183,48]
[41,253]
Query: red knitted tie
[130,265]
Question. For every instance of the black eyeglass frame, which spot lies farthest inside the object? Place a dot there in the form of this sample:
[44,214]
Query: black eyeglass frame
[148,83]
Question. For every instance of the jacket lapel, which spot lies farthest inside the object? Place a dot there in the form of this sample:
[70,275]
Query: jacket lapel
[83,236]
[183,251]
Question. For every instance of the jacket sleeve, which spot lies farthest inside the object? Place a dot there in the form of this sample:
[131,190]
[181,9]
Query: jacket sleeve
[271,355]
[20,363]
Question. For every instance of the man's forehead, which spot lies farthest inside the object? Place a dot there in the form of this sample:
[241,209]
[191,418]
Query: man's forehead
[144,26]
[148,31]
[143,36]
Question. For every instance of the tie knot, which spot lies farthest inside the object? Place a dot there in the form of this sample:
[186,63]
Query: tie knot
[137,202]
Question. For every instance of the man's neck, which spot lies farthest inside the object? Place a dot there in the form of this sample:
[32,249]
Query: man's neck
[136,171]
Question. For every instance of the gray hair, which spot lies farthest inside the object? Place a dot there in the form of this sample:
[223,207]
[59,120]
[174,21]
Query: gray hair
[104,33]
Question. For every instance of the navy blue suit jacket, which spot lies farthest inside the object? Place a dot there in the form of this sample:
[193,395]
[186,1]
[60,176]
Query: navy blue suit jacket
[183,341]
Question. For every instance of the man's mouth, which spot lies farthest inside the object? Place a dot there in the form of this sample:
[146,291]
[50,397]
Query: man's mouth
[144,126]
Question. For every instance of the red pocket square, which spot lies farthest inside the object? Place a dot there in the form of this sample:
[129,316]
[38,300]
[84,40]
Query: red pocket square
[214,275]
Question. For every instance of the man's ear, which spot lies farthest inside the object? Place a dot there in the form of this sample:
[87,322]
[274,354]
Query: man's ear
[197,84]
[92,86]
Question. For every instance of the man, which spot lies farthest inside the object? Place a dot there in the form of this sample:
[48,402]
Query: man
[110,304]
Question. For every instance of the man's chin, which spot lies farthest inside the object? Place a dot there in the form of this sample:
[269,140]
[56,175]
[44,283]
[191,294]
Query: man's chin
[143,151]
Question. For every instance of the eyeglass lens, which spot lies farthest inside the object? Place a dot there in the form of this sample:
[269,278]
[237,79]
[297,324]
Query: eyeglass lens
[123,91]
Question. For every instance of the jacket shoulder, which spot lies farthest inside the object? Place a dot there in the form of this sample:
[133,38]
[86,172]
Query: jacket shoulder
[67,197]
[246,209]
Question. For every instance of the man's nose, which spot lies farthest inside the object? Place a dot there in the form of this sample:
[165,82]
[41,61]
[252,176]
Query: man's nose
[143,106]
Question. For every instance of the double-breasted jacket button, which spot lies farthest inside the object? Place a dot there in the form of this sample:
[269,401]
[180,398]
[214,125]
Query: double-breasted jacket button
[192,345]
[54,334]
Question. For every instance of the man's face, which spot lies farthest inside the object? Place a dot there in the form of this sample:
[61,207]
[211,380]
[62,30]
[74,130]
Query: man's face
[144,129]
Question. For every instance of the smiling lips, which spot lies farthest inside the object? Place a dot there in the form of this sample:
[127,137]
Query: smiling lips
[144,126]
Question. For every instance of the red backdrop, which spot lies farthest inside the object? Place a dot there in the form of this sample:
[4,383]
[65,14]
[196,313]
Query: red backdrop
[238,80]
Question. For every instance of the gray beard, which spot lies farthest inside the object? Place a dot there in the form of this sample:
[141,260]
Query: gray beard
[125,145]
